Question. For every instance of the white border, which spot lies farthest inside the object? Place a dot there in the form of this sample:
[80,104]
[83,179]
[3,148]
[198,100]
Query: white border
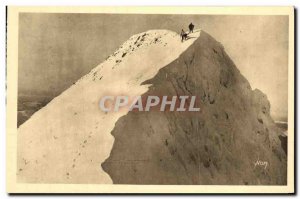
[111,2]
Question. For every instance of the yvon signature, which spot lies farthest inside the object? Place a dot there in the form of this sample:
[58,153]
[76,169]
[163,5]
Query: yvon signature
[264,164]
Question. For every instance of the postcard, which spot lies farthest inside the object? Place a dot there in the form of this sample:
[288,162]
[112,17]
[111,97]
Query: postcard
[150,100]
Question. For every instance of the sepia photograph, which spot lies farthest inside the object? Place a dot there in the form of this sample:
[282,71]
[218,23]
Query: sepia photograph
[182,100]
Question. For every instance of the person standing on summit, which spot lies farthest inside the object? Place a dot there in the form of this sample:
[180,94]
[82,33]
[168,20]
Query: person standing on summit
[191,27]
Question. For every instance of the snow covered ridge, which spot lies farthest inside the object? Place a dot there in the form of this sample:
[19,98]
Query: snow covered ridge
[141,44]
[70,137]
[164,103]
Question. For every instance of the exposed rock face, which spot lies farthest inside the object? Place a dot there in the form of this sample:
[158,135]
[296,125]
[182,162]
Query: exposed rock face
[232,140]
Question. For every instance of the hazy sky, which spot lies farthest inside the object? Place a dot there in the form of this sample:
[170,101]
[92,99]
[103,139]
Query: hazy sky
[57,49]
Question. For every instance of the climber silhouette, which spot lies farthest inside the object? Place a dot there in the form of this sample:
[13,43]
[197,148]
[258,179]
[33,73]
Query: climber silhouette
[191,27]
[183,35]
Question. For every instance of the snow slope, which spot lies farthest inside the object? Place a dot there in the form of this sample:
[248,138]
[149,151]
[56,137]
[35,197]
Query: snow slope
[67,140]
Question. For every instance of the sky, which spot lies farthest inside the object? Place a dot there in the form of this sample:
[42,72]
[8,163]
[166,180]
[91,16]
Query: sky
[55,50]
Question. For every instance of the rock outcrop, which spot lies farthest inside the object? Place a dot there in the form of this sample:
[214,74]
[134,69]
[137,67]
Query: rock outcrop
[232,140]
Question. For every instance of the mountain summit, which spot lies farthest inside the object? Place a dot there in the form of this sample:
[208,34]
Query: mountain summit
[232,140]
